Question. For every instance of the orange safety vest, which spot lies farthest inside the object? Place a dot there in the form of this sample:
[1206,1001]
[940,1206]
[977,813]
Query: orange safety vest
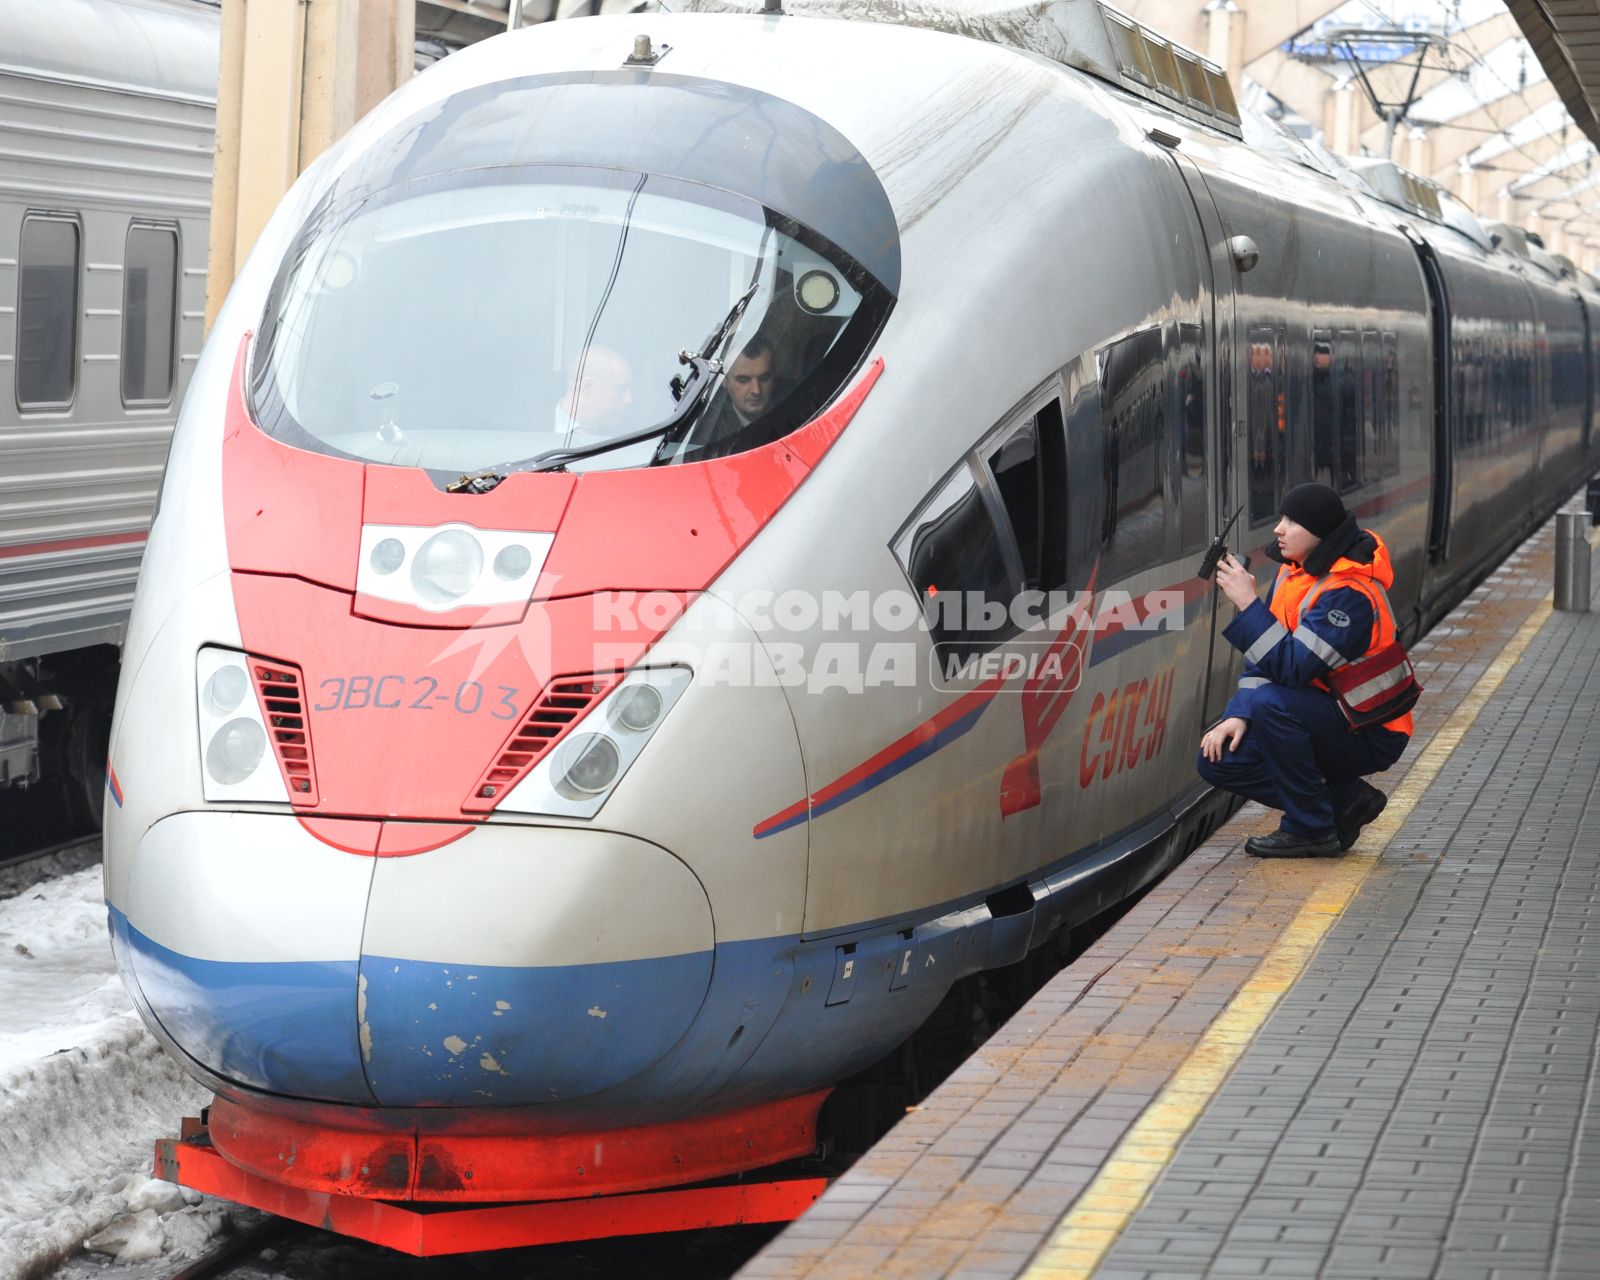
[1294,589]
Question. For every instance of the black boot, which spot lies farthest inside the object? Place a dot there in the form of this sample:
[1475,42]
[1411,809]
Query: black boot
[1367,805]
[1285,844]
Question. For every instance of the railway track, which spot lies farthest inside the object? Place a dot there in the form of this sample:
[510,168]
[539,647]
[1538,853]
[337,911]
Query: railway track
[234,1250]
[22,869]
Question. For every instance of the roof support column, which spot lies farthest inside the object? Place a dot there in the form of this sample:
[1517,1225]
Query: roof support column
[1419,151]
[1224,28]
[294,77]
[1340,125]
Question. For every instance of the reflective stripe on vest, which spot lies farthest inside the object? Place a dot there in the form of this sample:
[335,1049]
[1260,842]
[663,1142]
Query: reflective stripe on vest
[1289,611]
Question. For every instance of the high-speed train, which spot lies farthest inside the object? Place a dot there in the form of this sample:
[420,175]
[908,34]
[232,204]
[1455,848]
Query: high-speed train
[681,544]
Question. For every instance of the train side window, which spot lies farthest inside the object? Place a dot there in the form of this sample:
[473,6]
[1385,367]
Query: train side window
[1347,388]
[1133,427]
[1371,439]
[1029,468]
[47,313]
[149,313]
[1390,439]
[1192,423]
[1266,407]
[1014,464]
[1324,409]
[954,556]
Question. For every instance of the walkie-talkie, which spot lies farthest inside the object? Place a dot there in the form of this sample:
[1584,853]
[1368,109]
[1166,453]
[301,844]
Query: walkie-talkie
[1219,548]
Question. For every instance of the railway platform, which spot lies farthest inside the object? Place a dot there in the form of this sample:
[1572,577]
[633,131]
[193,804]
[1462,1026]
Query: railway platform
[1380,1065]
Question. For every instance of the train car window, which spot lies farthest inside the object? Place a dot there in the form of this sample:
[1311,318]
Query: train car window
[1191,399]
[1347,390]
[1266,408]
[1568,376]
[149,314]
[1134,431]
[952,552]
[1371,401]
[1324,409]
[1018,479]
[1389,458]
[47,313]
[1030,475]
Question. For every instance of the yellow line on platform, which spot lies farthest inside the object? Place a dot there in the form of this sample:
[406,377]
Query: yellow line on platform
[1082,1238]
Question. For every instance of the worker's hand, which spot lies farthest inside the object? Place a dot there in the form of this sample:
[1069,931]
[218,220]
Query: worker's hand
[1237,582]
[1229,732]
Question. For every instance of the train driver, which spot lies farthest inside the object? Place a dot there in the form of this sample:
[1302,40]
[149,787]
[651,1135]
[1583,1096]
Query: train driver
[750,388]
[1283,740]
[598,397]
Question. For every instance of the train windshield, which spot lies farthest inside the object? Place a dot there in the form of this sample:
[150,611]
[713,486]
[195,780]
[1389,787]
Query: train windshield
[519,316]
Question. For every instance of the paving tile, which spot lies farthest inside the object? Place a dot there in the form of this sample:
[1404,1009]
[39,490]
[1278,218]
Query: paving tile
[1414,1105]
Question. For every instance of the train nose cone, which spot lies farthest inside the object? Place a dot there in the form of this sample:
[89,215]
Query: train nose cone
[525,965]
[240,935]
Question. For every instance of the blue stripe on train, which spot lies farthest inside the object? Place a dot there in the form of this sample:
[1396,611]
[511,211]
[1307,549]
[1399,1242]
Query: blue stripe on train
[283,1027]
[471,1035]
[439,1034]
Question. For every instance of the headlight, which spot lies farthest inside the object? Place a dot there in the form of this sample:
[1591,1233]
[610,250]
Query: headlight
[235,763]
[447,566]
[235,750]
[587,764]
[575,778]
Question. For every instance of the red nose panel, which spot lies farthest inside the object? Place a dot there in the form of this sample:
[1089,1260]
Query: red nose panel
[408,712]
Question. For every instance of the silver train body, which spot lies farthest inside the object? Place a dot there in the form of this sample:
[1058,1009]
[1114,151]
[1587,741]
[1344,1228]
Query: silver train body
[105,186]
[1070,382]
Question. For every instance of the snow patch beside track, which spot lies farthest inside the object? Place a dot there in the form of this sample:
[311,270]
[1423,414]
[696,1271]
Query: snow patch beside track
[84,1089]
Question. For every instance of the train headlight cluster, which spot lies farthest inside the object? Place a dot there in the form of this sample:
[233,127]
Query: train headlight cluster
[587,765]
[451,566]
[235,763]
[447,566]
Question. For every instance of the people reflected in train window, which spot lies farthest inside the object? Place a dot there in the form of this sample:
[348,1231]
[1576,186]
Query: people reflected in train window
[1324,409]
[1192,416]
[1348,472]
[1265,403]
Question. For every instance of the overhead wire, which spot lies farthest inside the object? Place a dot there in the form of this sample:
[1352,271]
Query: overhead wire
[1453,45]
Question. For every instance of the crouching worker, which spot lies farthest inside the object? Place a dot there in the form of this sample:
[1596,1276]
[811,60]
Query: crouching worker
[1283,739]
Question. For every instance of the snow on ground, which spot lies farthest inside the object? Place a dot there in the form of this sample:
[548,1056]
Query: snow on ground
[84,1091]
[58,987]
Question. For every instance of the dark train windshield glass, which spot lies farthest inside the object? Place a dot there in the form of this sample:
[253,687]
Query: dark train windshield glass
[503,279]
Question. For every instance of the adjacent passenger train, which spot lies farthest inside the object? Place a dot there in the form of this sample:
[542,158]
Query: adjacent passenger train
[549,754]
[104,196]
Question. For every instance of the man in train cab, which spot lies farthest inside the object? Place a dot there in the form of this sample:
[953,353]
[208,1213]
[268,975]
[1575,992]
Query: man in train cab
[749,388]
[1283,739]
[598,396]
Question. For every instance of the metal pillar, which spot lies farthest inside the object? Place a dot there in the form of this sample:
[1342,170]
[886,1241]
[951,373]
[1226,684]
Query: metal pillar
[1572,562]
[293,78]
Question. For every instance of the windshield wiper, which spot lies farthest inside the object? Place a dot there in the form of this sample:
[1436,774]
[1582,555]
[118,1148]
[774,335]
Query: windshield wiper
[689,390]
[691,394]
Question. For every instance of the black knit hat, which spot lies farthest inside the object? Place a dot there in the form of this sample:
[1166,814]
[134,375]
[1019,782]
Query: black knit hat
[1315,507]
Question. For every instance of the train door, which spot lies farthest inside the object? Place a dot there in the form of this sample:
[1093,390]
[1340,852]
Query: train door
[1221,494]
[1588,372]
[1443,448]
